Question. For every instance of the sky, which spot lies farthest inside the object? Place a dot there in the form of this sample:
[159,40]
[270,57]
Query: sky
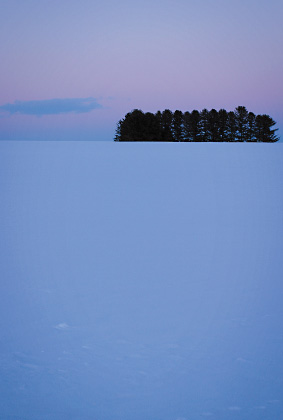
[141,281]
[71,69]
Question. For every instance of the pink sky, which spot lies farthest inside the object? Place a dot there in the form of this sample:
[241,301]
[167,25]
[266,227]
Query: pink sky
[153,55]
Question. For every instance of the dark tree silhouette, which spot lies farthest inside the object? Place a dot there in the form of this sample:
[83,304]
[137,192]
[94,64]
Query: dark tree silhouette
[187,126]
[195,126]
[251,134]
[151,128]
[132,127]
[231,127]
[204,125]
[241,115]
[158,117]
[213,125]
[166,124]
[192,126]
[263,130]
[138,126]
[118,131]
[223,125]
[177,126]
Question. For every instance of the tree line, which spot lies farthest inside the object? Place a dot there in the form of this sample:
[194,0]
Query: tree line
[239,125]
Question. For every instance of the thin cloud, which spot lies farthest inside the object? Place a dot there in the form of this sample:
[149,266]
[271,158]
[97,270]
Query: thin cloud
[62,326]
[52,106]
[234,408]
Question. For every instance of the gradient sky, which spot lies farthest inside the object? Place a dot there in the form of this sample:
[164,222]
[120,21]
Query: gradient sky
[98,60]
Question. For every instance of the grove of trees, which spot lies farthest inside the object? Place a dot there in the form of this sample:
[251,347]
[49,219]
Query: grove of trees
[205,126]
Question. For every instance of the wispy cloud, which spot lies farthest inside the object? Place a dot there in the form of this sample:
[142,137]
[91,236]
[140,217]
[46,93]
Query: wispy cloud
[234,408]
[62,326]
[52,106]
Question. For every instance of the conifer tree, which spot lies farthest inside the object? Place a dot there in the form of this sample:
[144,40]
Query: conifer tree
[204,125]
[118,131]
[158,116]
[166,120]
[132,128]
[231,127]
[194,126]
[213,125]
[241,115]
[223,125]
[151,128]
[251,132]
[187,126]
[263,129]
[177,126]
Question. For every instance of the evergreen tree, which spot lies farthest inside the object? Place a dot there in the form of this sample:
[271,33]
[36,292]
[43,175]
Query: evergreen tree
[151,127]
[213,125]
[204,125]
[263,125]
[132,128]
[188,136]
[251,132]
[194,126]
[158,117]
[177,126]
[223,125]
[118,131]
[241,115]
[231,127]
[166,121]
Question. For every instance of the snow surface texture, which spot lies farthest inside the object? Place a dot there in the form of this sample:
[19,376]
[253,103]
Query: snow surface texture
[141,281]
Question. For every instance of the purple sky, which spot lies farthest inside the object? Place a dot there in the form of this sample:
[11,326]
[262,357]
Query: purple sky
[98,60]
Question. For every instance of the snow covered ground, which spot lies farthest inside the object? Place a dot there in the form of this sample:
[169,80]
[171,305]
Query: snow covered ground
[141,281]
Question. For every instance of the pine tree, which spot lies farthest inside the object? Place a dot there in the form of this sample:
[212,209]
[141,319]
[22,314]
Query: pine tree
[251,134]
[241,115]
[231,127]
[187,126]
[151,127]
[263,130]
[132,127]
[158,117]
[223,125]
[204,125]
[118,131]
[194,126]
[177,126]
[213,125]
[166,120]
